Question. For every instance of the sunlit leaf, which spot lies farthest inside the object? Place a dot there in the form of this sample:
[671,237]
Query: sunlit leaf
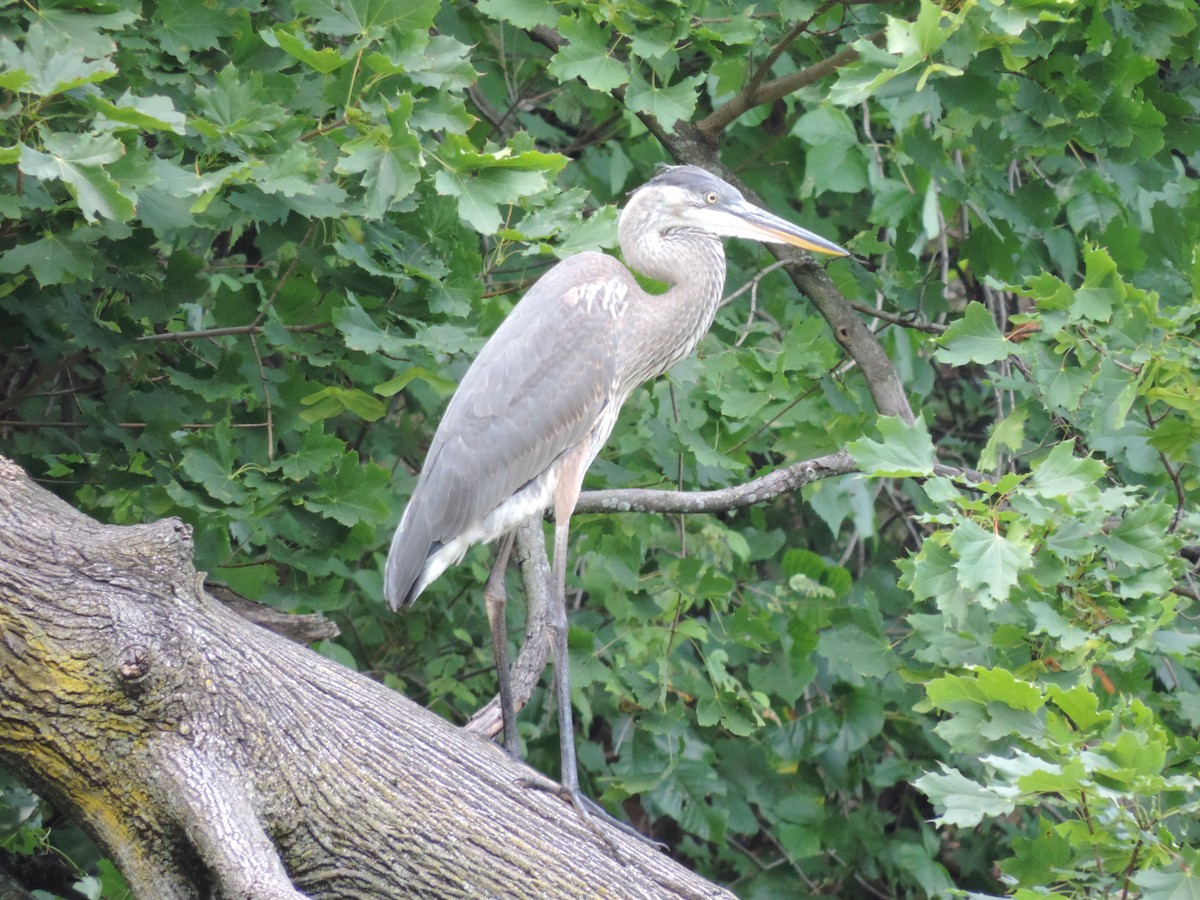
[974,338]
[906,450]
[989,564]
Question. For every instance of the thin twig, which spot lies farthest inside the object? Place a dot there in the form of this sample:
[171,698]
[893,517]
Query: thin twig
[287,273]
[188,426]
[904,321]
[788,39]
[233,329]
[752,287]
[1180,497]
[262,378]
[324,129]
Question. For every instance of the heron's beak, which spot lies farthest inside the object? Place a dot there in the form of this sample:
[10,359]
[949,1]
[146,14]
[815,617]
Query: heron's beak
[747,221]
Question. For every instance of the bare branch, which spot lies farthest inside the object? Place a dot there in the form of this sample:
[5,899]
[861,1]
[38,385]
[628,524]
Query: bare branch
[49,374]
[759,490]
[715,122]
[188,426]
[904,321]
[224,332]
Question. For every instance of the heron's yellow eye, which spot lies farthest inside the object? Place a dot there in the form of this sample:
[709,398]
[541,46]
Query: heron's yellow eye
[711,197]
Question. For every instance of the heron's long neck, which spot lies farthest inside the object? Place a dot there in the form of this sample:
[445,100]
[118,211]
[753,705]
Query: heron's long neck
[662,329]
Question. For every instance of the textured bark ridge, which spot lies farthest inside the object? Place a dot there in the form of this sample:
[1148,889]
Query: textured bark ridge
[210,757]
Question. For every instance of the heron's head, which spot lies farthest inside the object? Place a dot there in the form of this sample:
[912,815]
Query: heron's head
[688,198]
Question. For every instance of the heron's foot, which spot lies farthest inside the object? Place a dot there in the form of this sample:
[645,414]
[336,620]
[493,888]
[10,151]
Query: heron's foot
[590,812]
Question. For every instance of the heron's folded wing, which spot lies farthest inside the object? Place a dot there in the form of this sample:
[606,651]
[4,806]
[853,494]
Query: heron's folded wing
[536,389]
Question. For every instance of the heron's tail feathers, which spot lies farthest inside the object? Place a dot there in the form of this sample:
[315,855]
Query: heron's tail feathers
[405,574]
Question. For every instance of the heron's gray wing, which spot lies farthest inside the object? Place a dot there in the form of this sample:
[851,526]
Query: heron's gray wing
[536,389]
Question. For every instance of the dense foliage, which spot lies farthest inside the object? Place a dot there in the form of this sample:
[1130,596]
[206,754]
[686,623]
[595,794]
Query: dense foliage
[248,250]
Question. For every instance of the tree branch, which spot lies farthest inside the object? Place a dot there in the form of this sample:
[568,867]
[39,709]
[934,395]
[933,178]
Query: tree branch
[907,320]
[207,756]
[781,481]
[712,125]
[223,332]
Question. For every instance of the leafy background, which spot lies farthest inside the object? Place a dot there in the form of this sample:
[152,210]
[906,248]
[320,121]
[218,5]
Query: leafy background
[249,249]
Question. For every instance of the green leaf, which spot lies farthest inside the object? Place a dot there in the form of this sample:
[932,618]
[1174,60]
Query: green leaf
[292,173]
[77,160]
[989,564]
[834,168]
[1061,474]
[483,182]
[666,104]
[48,65]
[86,28]
[587,56]
[1008,433]
[325,60]
[249,581]
[980,687]
[933,576]
[1139,539]
[1102,287]
[524,14]
[799,841]
[1035,776]
[149,113]
[444,112]
[52,260]
[974,338]
[931,29]
[332,401]
[1173,883]
[359,331]
[238,109]
[443,64]
[833,161]
[1049,621]
[388,158]
[214,474]
[189,27]
[1079,704]
[874,69]
[353,494]
[317,453]
[905,451]
[350,18]
[964,802]
[443,386]
[853,652]
[1037,860]
[1063,386]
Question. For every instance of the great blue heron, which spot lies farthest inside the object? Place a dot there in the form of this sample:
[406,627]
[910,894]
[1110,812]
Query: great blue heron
[543,395]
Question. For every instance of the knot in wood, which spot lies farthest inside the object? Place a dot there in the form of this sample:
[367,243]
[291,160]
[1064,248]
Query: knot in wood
[133,667]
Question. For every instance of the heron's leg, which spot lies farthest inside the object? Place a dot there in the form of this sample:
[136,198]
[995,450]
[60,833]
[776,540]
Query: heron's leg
[565,496]
[495,597]
[562,664]
[587,808]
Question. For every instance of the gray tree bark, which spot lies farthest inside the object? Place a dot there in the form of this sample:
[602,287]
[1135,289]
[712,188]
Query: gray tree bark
[212,758]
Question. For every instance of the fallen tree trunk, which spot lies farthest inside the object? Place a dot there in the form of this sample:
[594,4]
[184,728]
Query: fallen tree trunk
[210,757]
